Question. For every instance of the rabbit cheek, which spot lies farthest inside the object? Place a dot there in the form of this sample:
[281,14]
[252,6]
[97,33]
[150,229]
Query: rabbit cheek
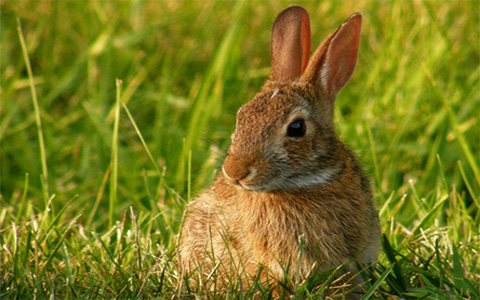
[299,152]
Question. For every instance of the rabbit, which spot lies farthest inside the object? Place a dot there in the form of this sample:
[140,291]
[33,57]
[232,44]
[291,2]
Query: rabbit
[291,197]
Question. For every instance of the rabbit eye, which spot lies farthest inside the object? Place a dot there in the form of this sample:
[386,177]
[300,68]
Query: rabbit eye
[297,128]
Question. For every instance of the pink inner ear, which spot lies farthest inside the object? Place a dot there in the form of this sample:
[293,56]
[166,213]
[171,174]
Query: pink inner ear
[341,56]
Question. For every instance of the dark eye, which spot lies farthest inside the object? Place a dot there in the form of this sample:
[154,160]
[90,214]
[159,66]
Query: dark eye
[297,128]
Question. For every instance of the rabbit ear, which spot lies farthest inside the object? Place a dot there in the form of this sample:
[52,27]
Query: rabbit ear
[290,44]
[334,61]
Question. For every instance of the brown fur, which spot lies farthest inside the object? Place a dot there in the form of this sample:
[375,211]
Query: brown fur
[281,190]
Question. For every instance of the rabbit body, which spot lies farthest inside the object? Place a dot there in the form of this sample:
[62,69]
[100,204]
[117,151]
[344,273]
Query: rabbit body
[291,196]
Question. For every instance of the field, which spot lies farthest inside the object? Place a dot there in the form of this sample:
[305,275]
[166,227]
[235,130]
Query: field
[115,114]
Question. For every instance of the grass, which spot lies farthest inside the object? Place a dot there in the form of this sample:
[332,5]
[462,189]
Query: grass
[113,114]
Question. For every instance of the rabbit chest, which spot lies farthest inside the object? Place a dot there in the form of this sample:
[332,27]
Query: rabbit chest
[322,228]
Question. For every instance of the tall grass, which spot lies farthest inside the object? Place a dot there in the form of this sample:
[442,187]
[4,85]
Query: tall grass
[124,159]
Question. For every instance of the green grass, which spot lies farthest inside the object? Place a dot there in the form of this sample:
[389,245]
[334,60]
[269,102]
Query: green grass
[125,109]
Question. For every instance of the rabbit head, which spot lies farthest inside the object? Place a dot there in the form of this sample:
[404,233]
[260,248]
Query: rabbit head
[284,137]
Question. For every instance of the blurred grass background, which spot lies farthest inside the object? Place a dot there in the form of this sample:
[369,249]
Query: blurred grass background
[411,111]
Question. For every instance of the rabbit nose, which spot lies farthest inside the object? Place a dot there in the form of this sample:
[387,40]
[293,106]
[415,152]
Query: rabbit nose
[236,168]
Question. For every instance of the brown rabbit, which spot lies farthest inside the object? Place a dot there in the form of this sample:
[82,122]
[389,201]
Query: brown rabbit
[287,179]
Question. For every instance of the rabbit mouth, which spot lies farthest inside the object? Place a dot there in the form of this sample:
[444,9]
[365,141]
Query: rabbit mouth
[252,183]
[248,187]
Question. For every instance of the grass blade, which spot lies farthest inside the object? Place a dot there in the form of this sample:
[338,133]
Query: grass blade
[38,118]
[377,283]
[140,136]
[114,157]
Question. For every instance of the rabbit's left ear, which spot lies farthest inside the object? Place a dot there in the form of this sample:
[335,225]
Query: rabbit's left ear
[290,44]
[333,63]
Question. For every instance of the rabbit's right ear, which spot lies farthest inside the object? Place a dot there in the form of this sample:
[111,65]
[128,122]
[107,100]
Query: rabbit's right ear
[333,63]
[290,44]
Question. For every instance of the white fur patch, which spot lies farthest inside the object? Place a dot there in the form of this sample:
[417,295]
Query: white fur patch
[305,181]
[225,173]
[315,179]
[275,93]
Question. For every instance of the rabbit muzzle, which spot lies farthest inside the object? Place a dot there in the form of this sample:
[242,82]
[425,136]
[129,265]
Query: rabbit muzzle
[238,170]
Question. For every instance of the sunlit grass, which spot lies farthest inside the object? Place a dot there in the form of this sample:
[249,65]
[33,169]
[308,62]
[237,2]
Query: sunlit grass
[124,159]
